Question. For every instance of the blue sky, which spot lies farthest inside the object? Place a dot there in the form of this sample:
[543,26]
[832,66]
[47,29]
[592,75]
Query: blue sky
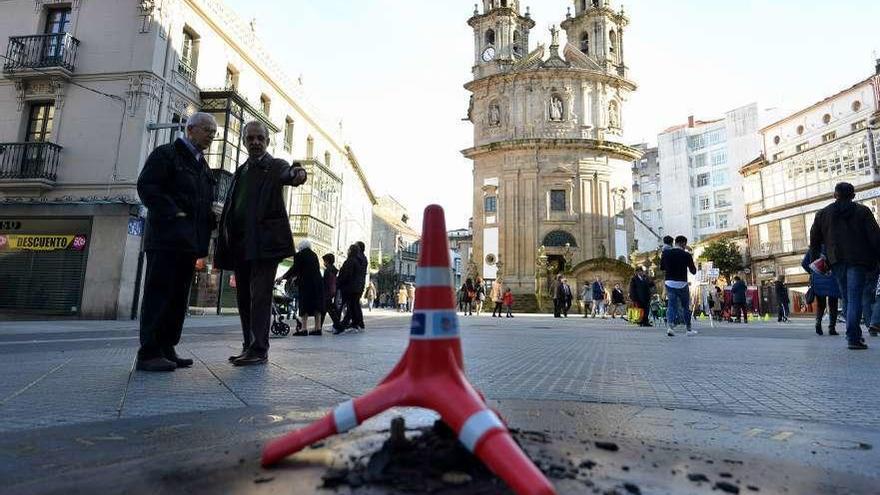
[393,70]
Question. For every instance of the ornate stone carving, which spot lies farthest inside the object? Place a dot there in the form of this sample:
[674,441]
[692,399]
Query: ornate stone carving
[142,88]
[556,109]
[494,114]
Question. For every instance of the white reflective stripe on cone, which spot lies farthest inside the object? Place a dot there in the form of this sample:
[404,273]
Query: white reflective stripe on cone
[476,426]
[433,276]
[434,324]
[344,417]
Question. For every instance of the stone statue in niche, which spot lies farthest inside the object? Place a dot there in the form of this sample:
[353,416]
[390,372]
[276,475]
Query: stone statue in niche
[613,116]
[556,109]
[494,115]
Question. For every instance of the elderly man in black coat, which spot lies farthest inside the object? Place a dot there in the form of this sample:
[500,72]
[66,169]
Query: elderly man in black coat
[640,288]
[255,236]
[177,188]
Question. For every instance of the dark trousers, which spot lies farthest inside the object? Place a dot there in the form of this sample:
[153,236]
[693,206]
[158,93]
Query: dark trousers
[166,289]
[740,308]
[354,316]
[253,283]
[784,311]
[823,302]
[557,308]
[497,310]
[330,308]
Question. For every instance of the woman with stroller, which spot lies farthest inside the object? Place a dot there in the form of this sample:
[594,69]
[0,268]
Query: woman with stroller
[827,292]
[306,273]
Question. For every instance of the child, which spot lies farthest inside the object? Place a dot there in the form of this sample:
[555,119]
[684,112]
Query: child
[656,309]
[508,301]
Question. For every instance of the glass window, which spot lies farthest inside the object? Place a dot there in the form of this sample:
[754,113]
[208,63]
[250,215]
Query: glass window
[647,204]
[719,158]
[831,136]
[697,142]
[802,147]
[40,121]
[700,160]
[723,220]
[719,178]
[703,180]
[763,233]
[705,221]
[722,199]
[490,204]
[705,203]
[858,126]
[557,200]
[288,134]
[717,136]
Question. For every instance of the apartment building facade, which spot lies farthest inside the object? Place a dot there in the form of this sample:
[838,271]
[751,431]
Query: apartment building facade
[83,86]
[806,154]
[699,179]
[647,199]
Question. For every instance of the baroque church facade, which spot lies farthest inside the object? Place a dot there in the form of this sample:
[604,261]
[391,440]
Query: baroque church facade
[552,177]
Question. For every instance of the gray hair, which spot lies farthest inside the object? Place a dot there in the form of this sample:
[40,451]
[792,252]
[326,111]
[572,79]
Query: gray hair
[304,244]
[200,118]
[261,125]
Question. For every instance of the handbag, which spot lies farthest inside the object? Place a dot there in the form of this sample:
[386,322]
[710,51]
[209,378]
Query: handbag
[810,296]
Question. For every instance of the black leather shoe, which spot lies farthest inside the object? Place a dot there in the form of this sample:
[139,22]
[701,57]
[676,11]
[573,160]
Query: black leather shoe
[300,333]
[172,356]
[243,352]
[819,329]
[316,332]
[250,360]
[155,364]
[858,346]
[832,331]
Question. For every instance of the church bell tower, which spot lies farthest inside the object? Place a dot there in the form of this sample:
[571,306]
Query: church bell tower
[501,36]
[596,29]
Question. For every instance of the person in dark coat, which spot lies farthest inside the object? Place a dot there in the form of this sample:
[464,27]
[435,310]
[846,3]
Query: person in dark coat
[306,274]
[255,236]
[782,299]
[177,188]
[851,238]
[330,302]
[350,290]
[827,293]
[738,292]
[640,294]
[558,293]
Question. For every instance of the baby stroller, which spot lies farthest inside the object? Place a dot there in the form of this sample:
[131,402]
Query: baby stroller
[283,308]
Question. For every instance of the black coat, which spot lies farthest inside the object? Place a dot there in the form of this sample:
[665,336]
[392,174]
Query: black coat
[309,282]
[267,234]
[172,182]
[849,233]
[781,292]
[640,291]
[345,282]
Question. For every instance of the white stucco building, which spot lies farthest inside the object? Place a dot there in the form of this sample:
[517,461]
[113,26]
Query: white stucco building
[552,175]
[82,81]
[647,199]
[699,173]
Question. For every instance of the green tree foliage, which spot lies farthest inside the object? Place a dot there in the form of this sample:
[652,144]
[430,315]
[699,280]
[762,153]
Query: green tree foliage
[725,256]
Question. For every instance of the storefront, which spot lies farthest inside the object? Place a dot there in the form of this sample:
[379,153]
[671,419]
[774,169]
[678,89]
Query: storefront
[43,263]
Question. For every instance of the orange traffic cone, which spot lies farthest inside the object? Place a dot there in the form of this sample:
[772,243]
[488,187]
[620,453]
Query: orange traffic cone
[431,375]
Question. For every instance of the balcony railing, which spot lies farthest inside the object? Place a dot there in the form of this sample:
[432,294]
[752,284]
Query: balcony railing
[779,247]
[224,182]
[186,71]
[29,161]
[41,51]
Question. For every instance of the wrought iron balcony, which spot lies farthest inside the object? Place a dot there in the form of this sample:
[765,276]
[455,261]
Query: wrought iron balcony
[186,71]
[41,51]
[22,164]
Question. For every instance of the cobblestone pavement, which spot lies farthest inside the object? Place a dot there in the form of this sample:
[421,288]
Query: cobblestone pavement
[57,373]
[795,411]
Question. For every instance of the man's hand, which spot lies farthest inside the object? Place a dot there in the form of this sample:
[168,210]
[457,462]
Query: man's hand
[299,176]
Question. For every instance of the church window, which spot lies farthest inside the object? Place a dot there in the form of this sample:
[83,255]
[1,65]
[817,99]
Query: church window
[612,39]
[265,104]
[490,37]
[557,200]
[856,106]
[490,204]
[288,134]
[517,47]
[559,238]
[585,43]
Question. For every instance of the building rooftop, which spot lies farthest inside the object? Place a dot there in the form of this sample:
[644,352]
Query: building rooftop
[825,100]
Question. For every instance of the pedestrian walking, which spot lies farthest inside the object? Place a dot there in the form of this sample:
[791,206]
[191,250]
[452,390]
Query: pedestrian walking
[410,297]
[567,298]
[738,292]
[507,299]
[470,294]
[640,295]
[401,299]
[306,274]
[658,312]
[370,295]
[558,296]
[598,290]
[618,302]
[351,282]
[496,295]
[851,237]
[587,298]
[462,299]
[676,263]
[826,292]
[177,188]
[480,297]
[255,236]
[782,299]
[331,301]
[718,306]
